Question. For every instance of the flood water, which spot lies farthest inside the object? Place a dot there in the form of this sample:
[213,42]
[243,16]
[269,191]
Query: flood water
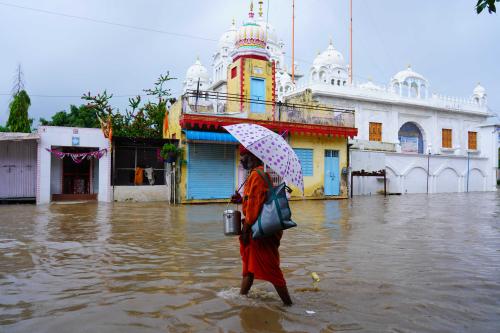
[413,263]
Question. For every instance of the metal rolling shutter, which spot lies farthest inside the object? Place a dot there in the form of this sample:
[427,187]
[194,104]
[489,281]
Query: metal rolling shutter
[211,171]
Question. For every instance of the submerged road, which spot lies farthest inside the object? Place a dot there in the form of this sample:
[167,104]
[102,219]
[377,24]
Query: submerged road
[412,263]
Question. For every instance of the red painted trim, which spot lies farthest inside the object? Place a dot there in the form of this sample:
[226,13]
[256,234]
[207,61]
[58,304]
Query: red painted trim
[190,121]
[250,56]
[274,89]
[242,84]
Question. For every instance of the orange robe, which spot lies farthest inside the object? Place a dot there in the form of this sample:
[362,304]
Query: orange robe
[260,256]
[139,176]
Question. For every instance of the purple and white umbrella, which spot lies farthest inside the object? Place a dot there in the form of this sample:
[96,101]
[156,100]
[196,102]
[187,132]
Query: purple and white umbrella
[272,149]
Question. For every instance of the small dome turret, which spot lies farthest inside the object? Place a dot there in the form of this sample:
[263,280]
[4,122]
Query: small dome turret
[329,68]
[196,73]
[479,95]
[408,83]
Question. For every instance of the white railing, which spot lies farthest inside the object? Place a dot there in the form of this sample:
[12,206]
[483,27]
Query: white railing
[386,93]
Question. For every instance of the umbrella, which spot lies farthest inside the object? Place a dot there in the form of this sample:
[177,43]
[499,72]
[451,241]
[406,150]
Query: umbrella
[272,149]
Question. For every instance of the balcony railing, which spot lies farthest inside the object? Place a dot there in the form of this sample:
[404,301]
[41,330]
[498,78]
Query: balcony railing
[231,105]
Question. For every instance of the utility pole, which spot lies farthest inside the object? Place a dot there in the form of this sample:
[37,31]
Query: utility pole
[350,42]
[468,168]
[293,41]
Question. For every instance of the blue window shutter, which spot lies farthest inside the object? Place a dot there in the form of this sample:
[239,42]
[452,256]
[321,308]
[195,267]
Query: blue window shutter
[211,171]
[257,93]
[306,160]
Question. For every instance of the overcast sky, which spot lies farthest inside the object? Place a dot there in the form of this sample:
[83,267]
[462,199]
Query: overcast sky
[64,56]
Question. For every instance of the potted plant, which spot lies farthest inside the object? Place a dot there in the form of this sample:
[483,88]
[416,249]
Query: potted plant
[170,152]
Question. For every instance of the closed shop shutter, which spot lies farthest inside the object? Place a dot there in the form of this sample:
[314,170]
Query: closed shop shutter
[211,171]
[18,169]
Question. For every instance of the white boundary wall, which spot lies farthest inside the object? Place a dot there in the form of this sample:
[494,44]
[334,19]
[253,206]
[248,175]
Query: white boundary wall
[407,173]
[63,137]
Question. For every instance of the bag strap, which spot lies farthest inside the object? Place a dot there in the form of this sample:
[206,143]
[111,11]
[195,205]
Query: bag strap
[266,179]
[278,209]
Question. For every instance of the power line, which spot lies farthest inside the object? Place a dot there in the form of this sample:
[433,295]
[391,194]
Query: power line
[79,96]
[83,18]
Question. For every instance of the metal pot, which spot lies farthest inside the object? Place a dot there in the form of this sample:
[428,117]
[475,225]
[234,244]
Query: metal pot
[232,222]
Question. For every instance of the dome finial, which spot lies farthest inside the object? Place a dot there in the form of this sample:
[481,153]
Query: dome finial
[250,13]
[260,8]
[409,66]
[233,22]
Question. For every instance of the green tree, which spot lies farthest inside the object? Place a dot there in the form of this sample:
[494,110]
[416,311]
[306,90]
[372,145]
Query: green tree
[18,117]
[490,4]
[78,116]
[140,121]
[3,129]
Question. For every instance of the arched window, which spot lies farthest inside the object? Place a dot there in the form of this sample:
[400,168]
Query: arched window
[411,139]
[405,89]
[396,87]
[332,82]
[423,91]
[322,76]
[338,82]
[414,90]
[344,83]
[314,76]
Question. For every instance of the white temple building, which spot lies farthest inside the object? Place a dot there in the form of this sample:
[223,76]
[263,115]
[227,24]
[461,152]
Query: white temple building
[425,142]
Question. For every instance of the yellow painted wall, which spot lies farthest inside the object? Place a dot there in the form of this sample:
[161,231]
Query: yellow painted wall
[174,127]
[264,70]
[252,68]
[234,86]
[314,185]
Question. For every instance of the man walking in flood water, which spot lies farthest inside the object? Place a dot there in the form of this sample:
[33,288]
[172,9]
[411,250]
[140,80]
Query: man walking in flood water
[260,257]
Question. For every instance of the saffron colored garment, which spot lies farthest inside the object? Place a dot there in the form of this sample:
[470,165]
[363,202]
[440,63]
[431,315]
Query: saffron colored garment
[260,256]
[139,176]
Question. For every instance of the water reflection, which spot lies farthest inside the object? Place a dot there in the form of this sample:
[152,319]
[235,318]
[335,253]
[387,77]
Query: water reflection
[410,263]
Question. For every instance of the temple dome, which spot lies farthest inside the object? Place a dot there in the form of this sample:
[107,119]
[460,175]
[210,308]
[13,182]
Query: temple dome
[329,57]
[407,74]
[479,90]
[197,71]
[251,38]
[228,38]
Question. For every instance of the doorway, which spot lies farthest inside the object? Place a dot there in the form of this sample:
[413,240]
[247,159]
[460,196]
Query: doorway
[78,176]
[332,177]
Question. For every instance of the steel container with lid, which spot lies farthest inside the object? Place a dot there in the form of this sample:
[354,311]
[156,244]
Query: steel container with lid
[232,222]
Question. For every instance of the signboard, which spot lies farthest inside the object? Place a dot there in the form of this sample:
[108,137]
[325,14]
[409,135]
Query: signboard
[75,141]
[409,144]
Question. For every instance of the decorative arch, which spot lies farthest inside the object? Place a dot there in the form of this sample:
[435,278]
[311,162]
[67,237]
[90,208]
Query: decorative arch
[414,90]
[412,168]
[314,76]
[411,138]
[393,169]
[396,87]
[474,169]
[423,91]
[322,75]
[405,88]
[444,168]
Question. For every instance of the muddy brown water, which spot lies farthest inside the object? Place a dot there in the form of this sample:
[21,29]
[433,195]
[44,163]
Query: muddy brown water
[412,263]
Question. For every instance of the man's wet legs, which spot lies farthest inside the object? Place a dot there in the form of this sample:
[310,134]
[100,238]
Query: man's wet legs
[284,295]
[246,284]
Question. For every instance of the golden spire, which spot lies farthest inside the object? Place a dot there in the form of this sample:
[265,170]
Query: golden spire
[250,13]
[260,8]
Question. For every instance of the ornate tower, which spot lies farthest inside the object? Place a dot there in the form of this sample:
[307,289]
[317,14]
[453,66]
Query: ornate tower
[252,74]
